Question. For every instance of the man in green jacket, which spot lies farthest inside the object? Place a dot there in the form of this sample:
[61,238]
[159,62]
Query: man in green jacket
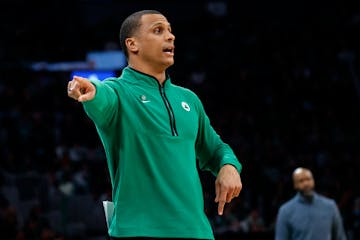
[153,133]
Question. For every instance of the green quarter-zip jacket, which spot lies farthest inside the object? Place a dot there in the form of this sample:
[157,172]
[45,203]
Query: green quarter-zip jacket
[152,136]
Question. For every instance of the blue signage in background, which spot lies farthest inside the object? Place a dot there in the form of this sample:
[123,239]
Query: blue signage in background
[93,74]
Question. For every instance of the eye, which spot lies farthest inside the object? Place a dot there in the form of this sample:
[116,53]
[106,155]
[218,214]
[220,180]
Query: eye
[158,30]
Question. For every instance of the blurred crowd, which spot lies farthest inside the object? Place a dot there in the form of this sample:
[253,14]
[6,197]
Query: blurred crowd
[280,87]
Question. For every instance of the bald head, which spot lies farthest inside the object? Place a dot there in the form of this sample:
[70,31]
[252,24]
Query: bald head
[300,171]
[303,181]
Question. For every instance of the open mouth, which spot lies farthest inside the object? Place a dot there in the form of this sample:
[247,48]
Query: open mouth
[169,50]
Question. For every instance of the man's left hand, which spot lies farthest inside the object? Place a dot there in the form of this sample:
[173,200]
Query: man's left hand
[227,186]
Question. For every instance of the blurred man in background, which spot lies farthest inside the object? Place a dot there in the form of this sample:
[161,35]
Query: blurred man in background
[308,215]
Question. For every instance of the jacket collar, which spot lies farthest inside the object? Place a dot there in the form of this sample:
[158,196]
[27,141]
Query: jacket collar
[136,77]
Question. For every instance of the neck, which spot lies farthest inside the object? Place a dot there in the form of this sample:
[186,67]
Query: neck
[309,196]
[159,74]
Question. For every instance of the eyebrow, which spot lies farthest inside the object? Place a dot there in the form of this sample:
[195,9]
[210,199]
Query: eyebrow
[160,23]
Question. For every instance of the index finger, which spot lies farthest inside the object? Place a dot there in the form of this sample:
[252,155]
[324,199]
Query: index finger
[221,207]
[222,201]
[72,85]
[76,83]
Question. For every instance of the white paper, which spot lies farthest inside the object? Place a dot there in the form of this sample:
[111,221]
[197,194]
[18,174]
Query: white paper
[109,210]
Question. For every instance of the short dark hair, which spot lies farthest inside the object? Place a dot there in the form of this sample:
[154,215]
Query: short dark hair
[130,25]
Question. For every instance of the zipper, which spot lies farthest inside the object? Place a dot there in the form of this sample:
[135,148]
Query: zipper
[170,111]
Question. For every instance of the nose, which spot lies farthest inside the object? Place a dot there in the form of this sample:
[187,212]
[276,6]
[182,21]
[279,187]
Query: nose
[170,36]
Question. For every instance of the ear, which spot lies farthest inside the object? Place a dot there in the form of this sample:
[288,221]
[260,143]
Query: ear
[131,45]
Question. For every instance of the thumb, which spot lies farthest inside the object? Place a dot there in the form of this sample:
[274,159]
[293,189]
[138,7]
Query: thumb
[80,79]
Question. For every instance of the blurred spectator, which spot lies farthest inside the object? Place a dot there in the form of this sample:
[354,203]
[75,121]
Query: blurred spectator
[308,215]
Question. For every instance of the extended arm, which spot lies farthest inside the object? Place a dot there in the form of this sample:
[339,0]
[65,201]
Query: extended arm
[219,158]
[99,99]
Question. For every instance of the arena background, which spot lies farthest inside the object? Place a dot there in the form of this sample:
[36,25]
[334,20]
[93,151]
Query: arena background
[279,82]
